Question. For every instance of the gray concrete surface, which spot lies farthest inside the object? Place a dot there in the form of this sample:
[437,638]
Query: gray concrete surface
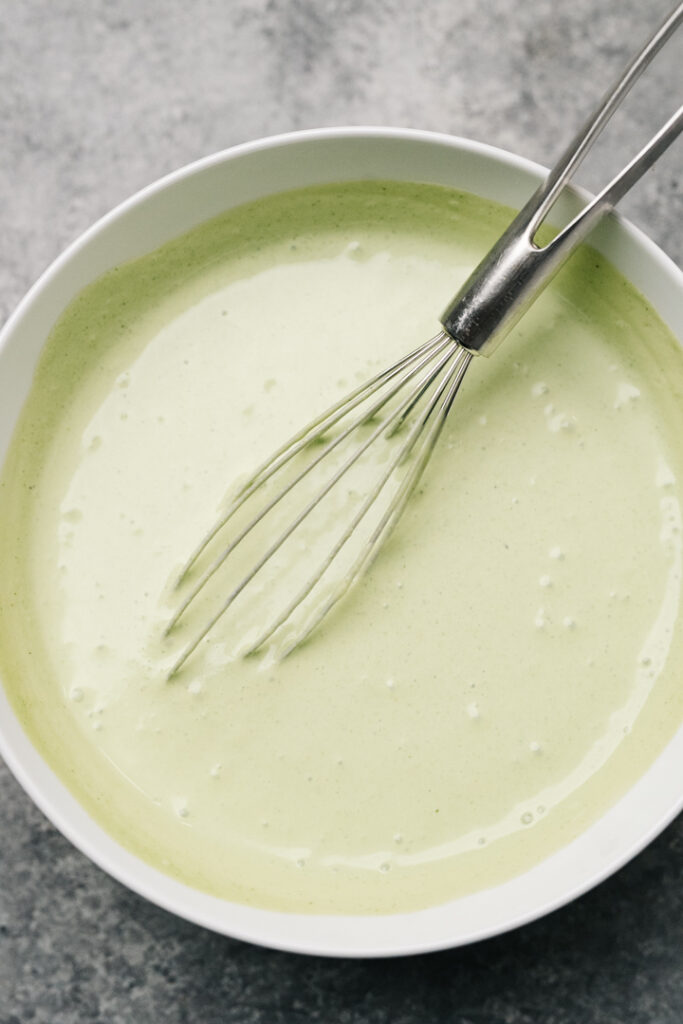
[96,100]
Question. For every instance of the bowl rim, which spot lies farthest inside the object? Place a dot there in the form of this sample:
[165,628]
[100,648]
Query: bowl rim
[321,935]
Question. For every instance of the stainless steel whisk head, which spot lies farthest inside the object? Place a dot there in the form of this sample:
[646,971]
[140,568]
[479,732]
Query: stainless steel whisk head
[414,394]
[412,398]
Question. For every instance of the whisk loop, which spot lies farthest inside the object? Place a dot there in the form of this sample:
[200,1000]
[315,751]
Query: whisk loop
[417,391]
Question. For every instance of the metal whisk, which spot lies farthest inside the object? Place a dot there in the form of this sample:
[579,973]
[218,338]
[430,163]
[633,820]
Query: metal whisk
[417,392]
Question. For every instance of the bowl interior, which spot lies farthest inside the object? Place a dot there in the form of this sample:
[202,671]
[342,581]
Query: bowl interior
[173,206]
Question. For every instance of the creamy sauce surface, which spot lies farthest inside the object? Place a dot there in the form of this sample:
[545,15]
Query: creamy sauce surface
[510,665]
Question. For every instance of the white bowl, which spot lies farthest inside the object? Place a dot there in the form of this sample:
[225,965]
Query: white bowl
[167,209]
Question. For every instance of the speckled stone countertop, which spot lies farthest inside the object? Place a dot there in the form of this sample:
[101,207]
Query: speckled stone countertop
[98,99]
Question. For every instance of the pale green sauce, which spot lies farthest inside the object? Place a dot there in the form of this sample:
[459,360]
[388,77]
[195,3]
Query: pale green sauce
[510,666]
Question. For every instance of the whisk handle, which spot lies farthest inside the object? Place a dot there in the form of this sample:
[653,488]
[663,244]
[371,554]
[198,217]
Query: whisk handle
[516,269]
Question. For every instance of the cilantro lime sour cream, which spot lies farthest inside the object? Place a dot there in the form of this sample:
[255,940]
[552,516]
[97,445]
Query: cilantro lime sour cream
[509,667]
